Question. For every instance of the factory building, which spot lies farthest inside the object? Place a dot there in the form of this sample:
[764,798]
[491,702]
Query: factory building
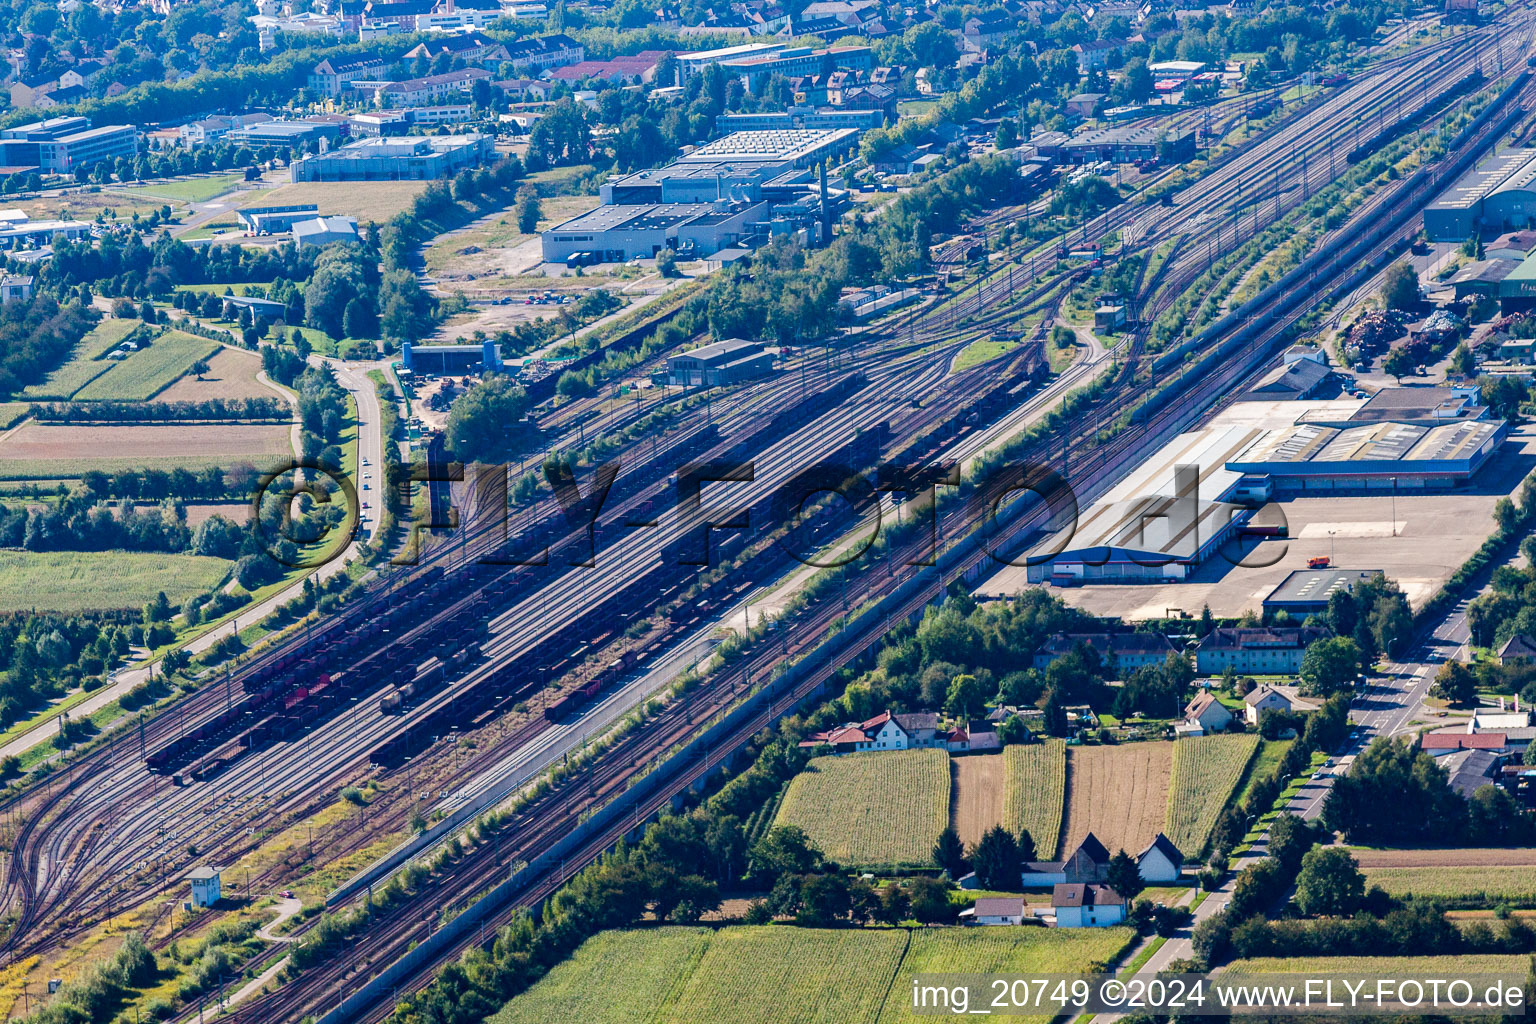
[1204,487]
[724,362]
[614,234]
[450,360]
[324,231]
[411,158]
[34,233]
[802,118]
[1499,194]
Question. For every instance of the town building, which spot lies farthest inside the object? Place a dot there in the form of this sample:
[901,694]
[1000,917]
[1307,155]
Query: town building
[630,70]
[324,231]
[415,92]
[690,64]
[1078,905]
[211,129]
[801,119]
[724,362]
[1123,653]
[274,220]
[332,76]
[753,69]
[1254,650]
[478,48]
[206,890]
[412,158]
[1517,648]
[63,145]
[1098,53]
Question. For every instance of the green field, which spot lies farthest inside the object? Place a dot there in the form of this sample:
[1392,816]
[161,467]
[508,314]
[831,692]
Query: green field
[12,412]
[191,190]
[149,371]
[785,975]
[1263,765]
[1496,883]
[85,363]
[1206,769]
[69,581]
[1035,793]
[883,808]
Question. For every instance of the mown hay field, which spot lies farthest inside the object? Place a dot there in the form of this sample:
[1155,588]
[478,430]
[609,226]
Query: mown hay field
[85,363]
[786,975]
[1456,857]
[375,201]
[1514,884]
[1206,769]
[72,581]
[141,443]
[149,371]
[871,809]
[976,799]
[231,374]
[1118,793]
[1034,793]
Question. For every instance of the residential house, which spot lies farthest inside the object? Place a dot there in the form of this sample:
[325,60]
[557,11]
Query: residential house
[1098,54]
[523,88]
[1079,905]
[984,30]
[1207,714]
[1125,651]
[1088,863]
[996,910]
[888,76]
[1263,698]
[972,737]
[1270,650]
[32,91]
[1517,648]
[1161,862]
[886,731]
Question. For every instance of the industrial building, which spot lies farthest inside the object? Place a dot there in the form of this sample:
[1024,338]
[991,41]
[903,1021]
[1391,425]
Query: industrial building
[450,360]
[690,64]
[1307,591]
[290,134]
[324,231]
[274,220]
[613,234]
[802,118]
[724,362]
[1499,194]
[1203,489]
[394,159]
[742,165]
[34,233]
[1129,143]
[64,145]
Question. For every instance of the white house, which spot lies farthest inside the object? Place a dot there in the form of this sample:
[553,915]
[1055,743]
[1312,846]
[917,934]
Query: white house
[1080,905]
[885,731]
[995,910]
[1161,862]
[1263,698]
[1208,713]
[205,886]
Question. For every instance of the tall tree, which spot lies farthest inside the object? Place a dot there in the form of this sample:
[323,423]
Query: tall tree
[949,853]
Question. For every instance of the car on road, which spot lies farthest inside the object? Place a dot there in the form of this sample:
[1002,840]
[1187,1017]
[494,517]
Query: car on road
[286,894]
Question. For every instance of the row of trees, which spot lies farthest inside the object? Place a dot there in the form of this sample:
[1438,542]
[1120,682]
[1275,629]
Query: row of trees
[141,412]
[36,336]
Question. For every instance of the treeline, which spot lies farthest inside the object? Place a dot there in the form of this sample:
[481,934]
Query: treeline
[80,522]
[122,264]
[36,336]
[44,654]
[151,412]
[210,483]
